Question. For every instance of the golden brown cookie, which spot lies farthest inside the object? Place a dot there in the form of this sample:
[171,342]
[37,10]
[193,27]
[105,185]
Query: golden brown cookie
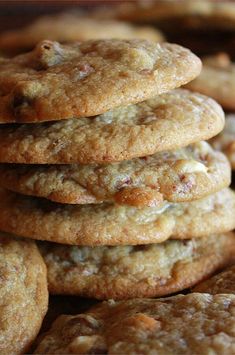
[55,82]
[185,14]
[225,141]
[165,122]
[223,282]
[23,294]
[183,175]
[70,27]
[180,325]
[108,224]
[135,271]
[217,80]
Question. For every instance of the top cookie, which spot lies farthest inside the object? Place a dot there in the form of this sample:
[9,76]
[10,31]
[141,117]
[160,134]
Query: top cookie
[23,294]
[56,82]
[223,282]
[179,325]
[217,80]
[69,27]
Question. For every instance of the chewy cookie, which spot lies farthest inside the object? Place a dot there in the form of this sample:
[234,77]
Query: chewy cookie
[165,122]
[135,271]
[110,224]
[70,27]
[225,141]
[23,294]
[223,282]
[55,82]
[181,175]
[179,325]
[217,79]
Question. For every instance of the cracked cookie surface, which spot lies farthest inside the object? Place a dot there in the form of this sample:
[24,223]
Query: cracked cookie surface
[179,325]
[110,224]
[23,294]
[123,272]
[55,81]
[165,122]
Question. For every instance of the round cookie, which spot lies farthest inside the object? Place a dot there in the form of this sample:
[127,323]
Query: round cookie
[165,122]
[180,325]
[225,141]
[217,80]
[109,224]
[55,82]
[223,282]
[183,175]
[23,294]
[135,271]
[70,27]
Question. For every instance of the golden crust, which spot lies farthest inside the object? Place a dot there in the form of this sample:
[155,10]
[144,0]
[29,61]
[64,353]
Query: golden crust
[223,282]
[182,175]
[108,224]
[23,294]
[55,82]
[225,141]
[70,27]
[123,272]
[217,80]
[179,325]
[165,122]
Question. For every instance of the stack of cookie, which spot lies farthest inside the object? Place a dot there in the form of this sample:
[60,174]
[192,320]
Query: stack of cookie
[102,131]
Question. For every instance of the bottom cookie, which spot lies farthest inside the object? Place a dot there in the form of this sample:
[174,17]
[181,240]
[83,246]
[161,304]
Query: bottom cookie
[23,294]
[224,282]
[179,325]
[135,271]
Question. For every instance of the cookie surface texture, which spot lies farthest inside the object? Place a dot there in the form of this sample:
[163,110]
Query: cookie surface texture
[224,282]
[181,325]
[110,224]
[135,271]
[168,121]
[23,294]
[55,82]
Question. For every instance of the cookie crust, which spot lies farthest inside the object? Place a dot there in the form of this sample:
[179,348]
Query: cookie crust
[109,224]
[165,122]
[23,294]
[135,271]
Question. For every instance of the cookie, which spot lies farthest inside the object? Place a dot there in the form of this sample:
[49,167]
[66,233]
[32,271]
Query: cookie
[70,27]
[183,175]
[123,272]
[185,14]
[179,325]
[109,224]
[55,81]
[168,121]
[225,141]
[217,80]
[23,294]
[223,282]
